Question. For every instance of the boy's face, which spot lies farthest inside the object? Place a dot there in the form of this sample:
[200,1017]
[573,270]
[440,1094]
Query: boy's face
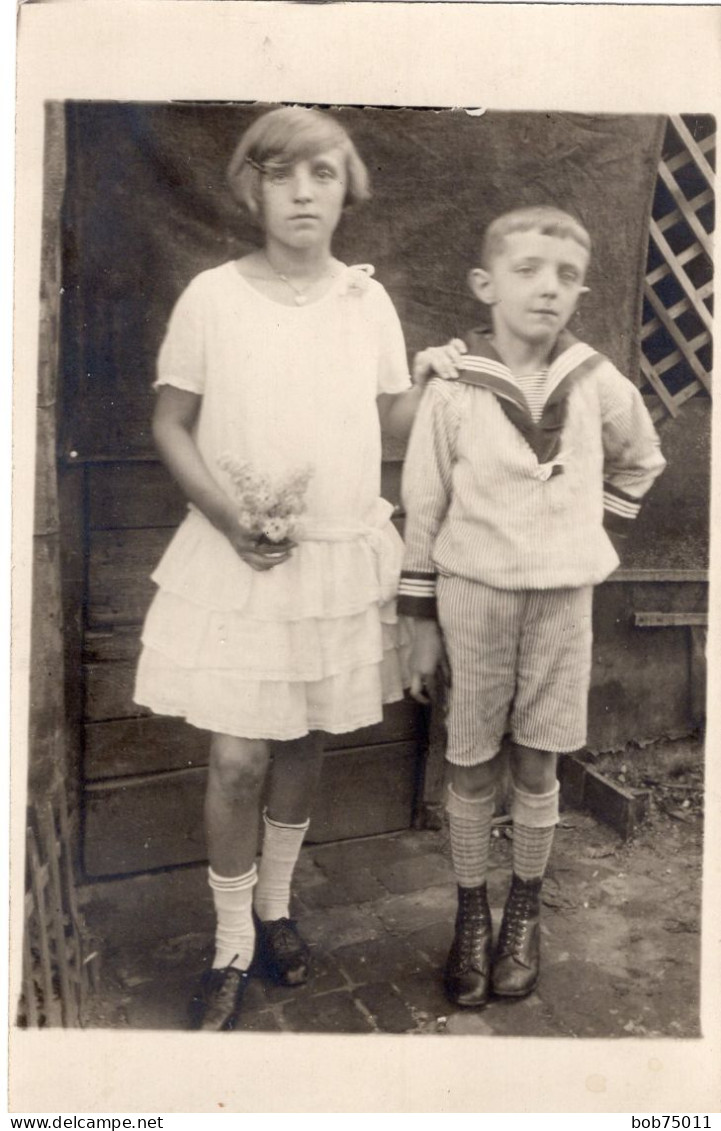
[533,285]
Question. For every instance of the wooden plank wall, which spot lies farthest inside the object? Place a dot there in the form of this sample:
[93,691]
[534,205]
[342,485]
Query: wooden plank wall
[144,775]
[645,684]
[50,762]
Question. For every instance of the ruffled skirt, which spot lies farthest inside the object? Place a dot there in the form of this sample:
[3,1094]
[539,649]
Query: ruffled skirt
[313,644]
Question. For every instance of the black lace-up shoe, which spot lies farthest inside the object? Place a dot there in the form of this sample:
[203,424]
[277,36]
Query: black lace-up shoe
[285,955]
[216,1003]
[468,967]
[518,955]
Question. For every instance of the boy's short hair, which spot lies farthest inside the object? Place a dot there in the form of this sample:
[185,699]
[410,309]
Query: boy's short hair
[541,218]
[285,136]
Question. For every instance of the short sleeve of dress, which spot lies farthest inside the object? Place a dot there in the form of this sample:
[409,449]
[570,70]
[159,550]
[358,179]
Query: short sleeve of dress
[393,375]
[181,360]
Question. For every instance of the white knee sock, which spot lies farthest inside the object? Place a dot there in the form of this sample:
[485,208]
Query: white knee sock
[234,933]
[535,816]
[281,848]
[470,827]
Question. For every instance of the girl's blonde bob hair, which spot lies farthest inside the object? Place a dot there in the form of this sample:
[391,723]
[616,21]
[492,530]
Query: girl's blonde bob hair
[284,137]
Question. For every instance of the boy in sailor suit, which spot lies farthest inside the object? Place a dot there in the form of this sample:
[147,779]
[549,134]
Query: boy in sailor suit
[514,474]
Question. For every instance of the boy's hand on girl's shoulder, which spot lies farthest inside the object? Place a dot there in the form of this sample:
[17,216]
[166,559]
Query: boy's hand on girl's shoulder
[439,361]
[427,656]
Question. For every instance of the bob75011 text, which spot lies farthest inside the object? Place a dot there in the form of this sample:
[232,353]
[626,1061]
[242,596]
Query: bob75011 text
[675,1122]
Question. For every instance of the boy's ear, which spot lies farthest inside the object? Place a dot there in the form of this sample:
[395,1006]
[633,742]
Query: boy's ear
[481,286]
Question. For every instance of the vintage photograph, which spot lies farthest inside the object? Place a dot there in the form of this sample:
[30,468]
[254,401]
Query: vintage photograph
[299,776]
[368,608]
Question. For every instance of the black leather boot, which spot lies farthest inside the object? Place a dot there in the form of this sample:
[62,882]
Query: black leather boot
[468,967]
[216,1003]
[517,962]
[285,955]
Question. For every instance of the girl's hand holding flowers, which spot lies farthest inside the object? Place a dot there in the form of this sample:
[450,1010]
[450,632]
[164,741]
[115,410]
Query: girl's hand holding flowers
[269,512]
[260,556]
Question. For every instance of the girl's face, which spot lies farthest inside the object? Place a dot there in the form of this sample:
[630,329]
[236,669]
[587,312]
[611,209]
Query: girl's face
[301,204]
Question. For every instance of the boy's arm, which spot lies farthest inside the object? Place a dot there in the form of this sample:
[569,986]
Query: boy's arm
[397,411]
[632,451]
[426,494]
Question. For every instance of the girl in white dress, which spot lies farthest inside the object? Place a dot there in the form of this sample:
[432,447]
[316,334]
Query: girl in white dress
[286,360]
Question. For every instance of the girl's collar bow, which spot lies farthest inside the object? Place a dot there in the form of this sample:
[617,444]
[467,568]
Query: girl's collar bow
[357,278]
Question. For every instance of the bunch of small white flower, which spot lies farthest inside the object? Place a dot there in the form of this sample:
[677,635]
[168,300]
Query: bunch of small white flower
[270,509]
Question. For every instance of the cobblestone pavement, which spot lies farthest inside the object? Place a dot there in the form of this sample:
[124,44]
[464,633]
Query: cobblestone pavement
[620,936]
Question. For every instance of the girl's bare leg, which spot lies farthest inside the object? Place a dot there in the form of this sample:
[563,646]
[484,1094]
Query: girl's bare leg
[236,777]
[294,775]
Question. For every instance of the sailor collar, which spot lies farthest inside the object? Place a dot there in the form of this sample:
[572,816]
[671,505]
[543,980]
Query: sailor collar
[569,361]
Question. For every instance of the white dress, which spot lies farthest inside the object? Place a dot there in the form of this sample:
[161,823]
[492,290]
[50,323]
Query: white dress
[312,644]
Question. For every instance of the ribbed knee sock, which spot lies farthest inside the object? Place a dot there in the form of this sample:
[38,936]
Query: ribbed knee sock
[470,827]
[535,816]
[281,848]
[234,933]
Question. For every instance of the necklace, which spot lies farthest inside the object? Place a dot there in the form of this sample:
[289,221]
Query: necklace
[301,296]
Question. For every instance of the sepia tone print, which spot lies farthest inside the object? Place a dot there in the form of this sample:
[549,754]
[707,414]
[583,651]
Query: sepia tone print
[118,914]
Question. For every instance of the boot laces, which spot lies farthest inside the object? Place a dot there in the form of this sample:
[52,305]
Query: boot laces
[472,930]
[522,907]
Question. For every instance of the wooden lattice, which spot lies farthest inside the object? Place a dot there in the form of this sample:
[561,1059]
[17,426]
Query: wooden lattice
[676,330]
[59,968]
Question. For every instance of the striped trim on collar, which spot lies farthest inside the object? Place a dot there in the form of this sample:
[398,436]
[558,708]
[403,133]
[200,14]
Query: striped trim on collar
[483,367]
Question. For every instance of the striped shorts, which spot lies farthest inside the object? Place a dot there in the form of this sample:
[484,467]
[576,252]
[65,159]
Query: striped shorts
[520,662]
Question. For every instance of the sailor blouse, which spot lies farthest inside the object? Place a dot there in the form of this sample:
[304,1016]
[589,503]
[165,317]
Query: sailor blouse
[495,496]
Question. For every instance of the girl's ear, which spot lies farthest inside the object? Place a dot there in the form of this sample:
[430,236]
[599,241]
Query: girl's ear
[481,286]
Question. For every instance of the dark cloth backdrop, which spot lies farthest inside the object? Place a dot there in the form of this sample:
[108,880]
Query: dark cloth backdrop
[147,207]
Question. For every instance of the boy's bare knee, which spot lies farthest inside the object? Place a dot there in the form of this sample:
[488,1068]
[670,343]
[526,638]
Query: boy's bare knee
[533,770]
[473,781]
